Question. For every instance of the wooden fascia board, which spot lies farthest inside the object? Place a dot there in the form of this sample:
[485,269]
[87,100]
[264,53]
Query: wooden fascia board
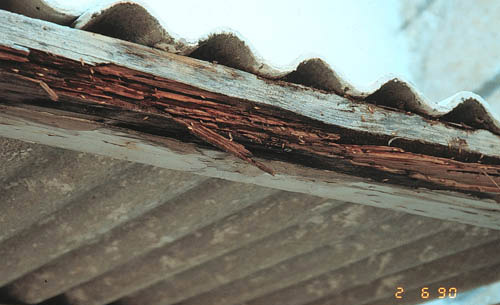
[22,37]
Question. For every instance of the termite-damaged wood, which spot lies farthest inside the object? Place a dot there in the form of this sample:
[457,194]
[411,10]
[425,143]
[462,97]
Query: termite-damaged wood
[86,133]
[219,141]
[239,127]
[135,103]
[379,125]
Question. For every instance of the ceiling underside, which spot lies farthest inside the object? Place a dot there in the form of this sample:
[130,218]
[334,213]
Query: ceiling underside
[85,229]
[77,228]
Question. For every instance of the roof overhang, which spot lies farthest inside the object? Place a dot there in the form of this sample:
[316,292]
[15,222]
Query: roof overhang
[82,91]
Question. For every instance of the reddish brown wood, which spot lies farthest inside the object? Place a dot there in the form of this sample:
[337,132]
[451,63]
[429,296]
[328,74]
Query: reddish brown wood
[241,128]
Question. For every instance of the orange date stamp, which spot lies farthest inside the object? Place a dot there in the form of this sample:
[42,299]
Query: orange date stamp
[426,293]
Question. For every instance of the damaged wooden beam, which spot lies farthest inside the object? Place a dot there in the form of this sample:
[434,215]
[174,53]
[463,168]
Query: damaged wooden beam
[86,92]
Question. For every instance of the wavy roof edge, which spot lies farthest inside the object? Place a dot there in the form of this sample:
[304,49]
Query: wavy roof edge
[129,20]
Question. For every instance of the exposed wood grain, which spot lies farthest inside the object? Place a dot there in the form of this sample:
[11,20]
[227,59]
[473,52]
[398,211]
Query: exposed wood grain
[62,129]
[178,100]
[221,142]
[262,129]
[329,108]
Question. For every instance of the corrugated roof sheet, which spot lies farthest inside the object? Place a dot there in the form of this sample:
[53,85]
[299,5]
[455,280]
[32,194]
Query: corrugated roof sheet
[84,229]
[130,21]
[77,228]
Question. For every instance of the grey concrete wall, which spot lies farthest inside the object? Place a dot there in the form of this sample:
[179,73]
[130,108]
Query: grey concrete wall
[455,46]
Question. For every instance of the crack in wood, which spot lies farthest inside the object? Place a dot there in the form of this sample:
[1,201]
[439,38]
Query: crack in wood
[241,128]
[221,142]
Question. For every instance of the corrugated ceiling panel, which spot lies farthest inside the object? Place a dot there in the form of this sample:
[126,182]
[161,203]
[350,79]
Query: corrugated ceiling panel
[336,268]
[217,242]
[206,203]
[83,229]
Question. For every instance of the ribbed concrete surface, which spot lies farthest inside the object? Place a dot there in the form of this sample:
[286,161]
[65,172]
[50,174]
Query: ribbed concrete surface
[431,273]
[208,202]
[31,173]
[339,266]
[83,229]
[121,197]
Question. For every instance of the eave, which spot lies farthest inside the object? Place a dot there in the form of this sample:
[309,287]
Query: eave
[82,91]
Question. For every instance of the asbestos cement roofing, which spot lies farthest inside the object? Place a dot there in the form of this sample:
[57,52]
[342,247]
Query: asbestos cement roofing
[130,21]
[78,228]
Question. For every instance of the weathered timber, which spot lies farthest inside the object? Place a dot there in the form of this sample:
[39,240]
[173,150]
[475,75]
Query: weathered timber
[314,142]
[223,123]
